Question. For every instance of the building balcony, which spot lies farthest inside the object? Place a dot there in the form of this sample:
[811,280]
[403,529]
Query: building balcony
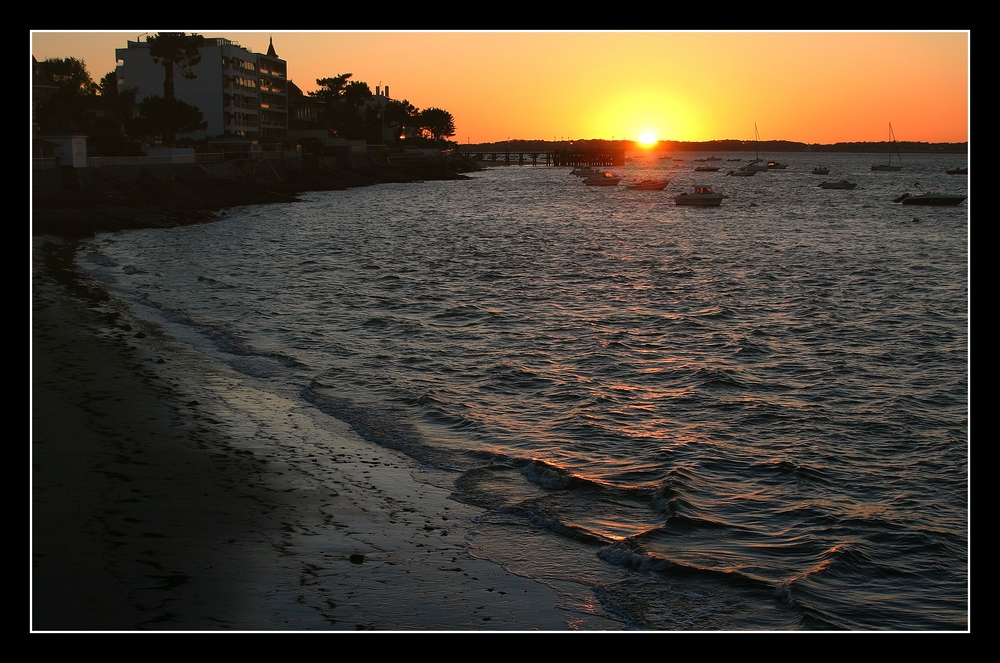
[242,108]
[236,87]
[235,127]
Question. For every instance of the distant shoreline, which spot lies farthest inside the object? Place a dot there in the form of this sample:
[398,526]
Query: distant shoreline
[776,146]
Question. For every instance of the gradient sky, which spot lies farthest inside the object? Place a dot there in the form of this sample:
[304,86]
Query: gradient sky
[811,87]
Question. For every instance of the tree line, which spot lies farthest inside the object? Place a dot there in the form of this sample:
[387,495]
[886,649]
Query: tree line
[350,110]
[117,122]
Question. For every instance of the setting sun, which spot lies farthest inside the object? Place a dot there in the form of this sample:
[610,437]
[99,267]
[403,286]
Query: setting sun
[647,138]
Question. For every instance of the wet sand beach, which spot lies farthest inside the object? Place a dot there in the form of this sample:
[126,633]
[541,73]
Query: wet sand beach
[172,495]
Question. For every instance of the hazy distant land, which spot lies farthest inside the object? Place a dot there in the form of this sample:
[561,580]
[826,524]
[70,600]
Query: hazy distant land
[729,145]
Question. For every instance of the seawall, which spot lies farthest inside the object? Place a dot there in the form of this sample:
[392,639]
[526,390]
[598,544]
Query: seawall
[78,202]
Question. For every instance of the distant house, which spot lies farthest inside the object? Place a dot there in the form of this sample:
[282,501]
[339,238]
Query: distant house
[71,149]
[66,150]
[239,92]
[303,109]
[43,153]
[379,101]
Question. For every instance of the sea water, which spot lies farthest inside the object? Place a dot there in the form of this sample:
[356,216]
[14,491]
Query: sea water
[752,416]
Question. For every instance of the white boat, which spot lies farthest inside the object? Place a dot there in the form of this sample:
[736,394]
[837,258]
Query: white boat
[649,185]
[601,179]
[776,165]
[585,171]
[888,167]
[821,170]
[704,195]
[931,198]
[842,184]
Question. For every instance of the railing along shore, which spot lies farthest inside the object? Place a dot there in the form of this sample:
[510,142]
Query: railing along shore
[199,157]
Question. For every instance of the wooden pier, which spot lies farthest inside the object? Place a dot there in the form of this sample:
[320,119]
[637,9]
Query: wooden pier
[601,158]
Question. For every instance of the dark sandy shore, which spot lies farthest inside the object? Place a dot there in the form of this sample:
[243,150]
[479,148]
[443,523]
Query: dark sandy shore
[163,503]
[171,494]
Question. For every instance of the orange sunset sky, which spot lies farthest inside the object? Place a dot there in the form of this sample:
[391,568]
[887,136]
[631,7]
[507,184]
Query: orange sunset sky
[811,87]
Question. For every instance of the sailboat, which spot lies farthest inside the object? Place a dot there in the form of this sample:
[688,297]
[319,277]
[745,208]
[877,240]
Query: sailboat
[758,164]
[888,166]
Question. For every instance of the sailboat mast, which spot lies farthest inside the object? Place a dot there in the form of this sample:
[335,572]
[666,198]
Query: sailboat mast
[888,165]
[892,136]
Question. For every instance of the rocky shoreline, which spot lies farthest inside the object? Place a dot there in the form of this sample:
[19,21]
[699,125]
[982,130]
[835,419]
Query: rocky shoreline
[84,201]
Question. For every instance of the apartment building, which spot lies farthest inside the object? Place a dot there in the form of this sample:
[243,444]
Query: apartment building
[239,92]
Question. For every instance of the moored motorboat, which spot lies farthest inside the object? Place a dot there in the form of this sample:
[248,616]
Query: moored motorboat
[931,198]
[842,184]
[707,169]
[776,165]
[821,170]
[958,171]
[704,195]
[649,185]
[741,173]
[601,179]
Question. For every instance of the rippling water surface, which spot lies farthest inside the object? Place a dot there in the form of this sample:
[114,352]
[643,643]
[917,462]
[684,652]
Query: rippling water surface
[746,417]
